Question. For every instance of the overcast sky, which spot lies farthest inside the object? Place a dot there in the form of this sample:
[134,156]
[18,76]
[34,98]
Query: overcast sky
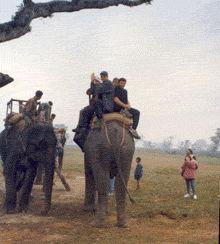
[168,52]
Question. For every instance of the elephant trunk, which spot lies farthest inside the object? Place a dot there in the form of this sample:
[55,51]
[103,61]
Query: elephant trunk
[48,183]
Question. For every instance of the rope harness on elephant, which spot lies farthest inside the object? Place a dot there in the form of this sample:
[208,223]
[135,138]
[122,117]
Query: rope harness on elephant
[106,132]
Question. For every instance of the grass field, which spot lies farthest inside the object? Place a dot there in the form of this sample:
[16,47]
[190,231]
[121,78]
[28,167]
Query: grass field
[160,213]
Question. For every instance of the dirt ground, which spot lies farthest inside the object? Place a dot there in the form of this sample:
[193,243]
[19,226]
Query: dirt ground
[68,223]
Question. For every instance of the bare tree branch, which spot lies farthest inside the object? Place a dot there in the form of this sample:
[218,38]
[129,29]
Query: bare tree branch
[5,80]
[20,24]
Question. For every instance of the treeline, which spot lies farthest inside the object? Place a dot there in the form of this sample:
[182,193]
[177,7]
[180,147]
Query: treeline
[199,147]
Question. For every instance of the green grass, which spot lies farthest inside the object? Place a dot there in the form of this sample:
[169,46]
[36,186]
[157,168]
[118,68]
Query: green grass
[162,189]
[162,186]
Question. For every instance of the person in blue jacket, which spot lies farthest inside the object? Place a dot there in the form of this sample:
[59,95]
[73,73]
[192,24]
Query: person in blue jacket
[138,173]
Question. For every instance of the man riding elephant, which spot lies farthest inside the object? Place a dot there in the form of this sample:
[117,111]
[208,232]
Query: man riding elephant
[104,103]
[30,107]
[22,150]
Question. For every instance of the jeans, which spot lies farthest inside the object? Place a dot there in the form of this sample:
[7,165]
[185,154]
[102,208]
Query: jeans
[136,114]
[188,183]
[111,187]
[87,115]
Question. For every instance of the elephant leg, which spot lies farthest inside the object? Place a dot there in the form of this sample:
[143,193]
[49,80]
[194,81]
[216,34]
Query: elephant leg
[11,193]
[10,175]
[102,185]
[121,195]
[48,183]
[27,187]
[90,190]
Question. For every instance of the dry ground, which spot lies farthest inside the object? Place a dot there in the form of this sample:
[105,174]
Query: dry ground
[160,222]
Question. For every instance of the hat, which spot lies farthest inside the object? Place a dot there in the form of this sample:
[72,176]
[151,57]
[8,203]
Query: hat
[104,73]
[98,79]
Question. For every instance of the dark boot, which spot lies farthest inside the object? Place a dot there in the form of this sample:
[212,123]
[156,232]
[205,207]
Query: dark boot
[83,133]
[77,129]
[80,138]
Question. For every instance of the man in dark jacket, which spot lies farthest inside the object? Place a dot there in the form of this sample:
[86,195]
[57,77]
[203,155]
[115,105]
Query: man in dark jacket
[104,103]
[105,99]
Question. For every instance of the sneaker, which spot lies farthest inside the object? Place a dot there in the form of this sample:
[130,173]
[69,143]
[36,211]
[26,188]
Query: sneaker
[187,195]
[134,133]
[125,112]
[194,197]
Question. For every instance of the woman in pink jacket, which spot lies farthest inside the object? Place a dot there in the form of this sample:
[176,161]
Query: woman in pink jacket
[189,174]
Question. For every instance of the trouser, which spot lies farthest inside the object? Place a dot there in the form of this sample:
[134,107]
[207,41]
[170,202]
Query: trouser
[112,184]
[97,108]
[87,116]
[80,122]
[136,115]
[188,183]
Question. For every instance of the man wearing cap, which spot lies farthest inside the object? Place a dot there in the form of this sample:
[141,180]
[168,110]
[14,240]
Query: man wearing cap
[105,99]
[30,107]
[104,103]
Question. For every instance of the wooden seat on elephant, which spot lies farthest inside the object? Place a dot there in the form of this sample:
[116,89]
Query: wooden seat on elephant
[15,120]
[118,117]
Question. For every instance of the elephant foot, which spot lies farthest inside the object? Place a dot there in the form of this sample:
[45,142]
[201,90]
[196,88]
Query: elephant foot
[89,208]
[98,223]
[44,213]
[26,209]
[38,183]
[10,211]
[122,223]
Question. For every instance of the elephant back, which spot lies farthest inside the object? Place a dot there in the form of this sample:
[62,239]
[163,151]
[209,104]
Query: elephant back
[117,117]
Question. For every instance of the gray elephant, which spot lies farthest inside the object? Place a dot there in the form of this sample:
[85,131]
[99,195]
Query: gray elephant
[21,152]
[108,152]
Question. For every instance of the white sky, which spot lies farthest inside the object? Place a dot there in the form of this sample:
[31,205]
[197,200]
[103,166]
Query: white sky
[169,52]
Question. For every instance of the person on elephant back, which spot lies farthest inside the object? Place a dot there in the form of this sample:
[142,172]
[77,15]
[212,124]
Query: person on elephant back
[44,111]
[122,105]
[95,82]
[104,103]
[30,108]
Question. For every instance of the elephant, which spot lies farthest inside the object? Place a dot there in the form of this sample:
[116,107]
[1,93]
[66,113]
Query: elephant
[107,152]
[22,150]
[39,176]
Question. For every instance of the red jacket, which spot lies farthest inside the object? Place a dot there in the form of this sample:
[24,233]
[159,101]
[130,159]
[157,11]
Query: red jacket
[190,167]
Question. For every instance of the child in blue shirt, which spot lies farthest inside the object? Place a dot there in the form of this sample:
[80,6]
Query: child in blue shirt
[138,173]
